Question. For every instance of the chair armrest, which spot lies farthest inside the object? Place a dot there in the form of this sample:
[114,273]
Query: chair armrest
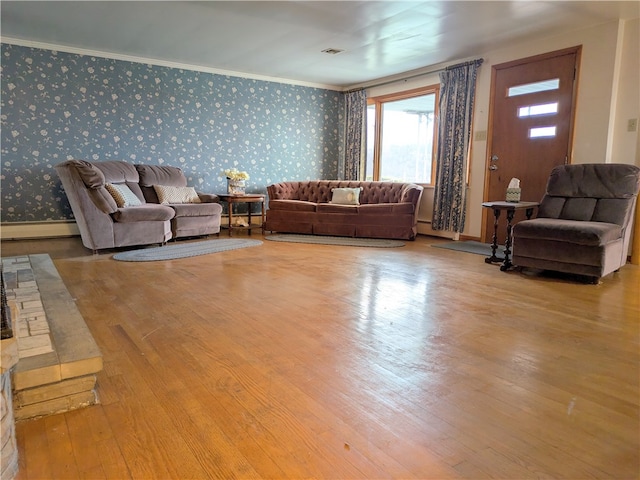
[208,197]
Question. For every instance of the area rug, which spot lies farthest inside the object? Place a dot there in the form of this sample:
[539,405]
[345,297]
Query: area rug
[342,241]
[193,249]
[470,246]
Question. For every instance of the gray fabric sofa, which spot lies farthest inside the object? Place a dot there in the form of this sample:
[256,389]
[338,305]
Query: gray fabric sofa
[104,224]
[584,221]
[381,210]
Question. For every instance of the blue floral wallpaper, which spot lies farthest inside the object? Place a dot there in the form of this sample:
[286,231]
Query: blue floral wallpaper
[57,106]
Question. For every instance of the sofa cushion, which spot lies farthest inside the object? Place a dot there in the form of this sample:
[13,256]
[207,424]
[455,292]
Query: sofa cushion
[116,171]
[208,197]
[90,175]
[102,199]
[292,205]
[148,212]
[386,209]
[197,209]
[597,180]
[580,209]
[161,175]
[376,209]
[337,208]
[123,195]
[169,194]
[613,210]
[346,196]
[571,231]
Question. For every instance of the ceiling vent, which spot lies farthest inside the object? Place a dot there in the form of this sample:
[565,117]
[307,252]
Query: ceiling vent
[332,51]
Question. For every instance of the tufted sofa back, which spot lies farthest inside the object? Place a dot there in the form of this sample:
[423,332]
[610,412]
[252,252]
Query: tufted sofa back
[319,191]
[603,192]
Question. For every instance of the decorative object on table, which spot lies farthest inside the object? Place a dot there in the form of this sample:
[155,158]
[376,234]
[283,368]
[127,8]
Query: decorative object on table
[513,191]
[185,250]
[236,181]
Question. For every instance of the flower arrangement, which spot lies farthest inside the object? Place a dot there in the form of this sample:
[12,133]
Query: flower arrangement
[235,174]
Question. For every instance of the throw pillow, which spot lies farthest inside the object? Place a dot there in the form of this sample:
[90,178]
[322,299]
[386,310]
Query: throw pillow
[346,196]
[167,194]
[122,194]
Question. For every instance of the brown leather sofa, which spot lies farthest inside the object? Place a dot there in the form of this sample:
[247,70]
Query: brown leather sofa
[105,224]
[382,209]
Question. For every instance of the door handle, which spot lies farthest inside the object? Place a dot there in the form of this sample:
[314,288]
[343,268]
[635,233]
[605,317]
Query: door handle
[493,167]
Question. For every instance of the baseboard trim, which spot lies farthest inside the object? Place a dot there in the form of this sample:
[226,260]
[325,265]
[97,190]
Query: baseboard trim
[465,238]
[424,228]
[27,230]
[64,228]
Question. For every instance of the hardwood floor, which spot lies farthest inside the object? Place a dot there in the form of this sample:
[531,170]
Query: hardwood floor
[299,361]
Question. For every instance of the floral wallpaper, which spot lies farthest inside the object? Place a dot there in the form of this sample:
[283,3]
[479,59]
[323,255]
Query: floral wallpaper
[57,106]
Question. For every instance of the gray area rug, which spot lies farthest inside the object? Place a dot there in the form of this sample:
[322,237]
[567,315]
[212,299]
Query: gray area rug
[172,252]
[470,246]
[342,241]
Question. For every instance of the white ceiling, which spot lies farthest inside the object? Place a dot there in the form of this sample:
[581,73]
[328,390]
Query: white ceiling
[284,39]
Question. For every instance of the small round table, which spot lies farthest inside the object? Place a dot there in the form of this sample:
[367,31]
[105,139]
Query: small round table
[248,198]
[511,208]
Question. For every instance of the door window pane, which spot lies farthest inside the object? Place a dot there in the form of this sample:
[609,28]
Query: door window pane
[539,132]
[533,110]
[542,86]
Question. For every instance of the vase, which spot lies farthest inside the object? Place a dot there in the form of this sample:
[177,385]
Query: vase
[235,187]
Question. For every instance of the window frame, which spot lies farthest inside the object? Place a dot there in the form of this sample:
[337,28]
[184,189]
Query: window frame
[378,102]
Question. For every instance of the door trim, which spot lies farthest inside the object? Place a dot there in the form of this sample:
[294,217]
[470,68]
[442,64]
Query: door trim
[577,50]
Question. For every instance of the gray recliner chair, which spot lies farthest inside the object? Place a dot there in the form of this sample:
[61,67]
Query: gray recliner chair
[584,221]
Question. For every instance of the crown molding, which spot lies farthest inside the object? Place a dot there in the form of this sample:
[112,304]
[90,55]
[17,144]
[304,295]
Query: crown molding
[161,63]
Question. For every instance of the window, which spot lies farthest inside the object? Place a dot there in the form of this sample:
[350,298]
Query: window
[542,86]
[535,110]
[401,136]
[540,132]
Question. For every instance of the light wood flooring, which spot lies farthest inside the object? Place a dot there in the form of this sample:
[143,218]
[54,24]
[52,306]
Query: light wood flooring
[311,361]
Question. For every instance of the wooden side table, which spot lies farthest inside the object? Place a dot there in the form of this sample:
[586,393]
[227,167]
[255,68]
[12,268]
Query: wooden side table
[511,208]
[248,198]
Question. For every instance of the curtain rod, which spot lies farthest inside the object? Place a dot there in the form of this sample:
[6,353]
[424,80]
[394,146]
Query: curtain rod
[421,74]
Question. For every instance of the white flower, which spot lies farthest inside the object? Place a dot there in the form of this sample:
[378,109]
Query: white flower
[235,174]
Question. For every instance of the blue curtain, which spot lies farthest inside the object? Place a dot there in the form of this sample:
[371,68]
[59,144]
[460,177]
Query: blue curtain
[354,137]
[457,93]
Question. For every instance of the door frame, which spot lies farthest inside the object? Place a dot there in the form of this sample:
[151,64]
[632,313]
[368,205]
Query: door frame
[577,50]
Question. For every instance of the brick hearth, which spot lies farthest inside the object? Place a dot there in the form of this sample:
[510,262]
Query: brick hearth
[58,355]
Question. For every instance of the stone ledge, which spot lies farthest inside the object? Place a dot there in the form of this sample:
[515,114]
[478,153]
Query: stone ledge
[74,361]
